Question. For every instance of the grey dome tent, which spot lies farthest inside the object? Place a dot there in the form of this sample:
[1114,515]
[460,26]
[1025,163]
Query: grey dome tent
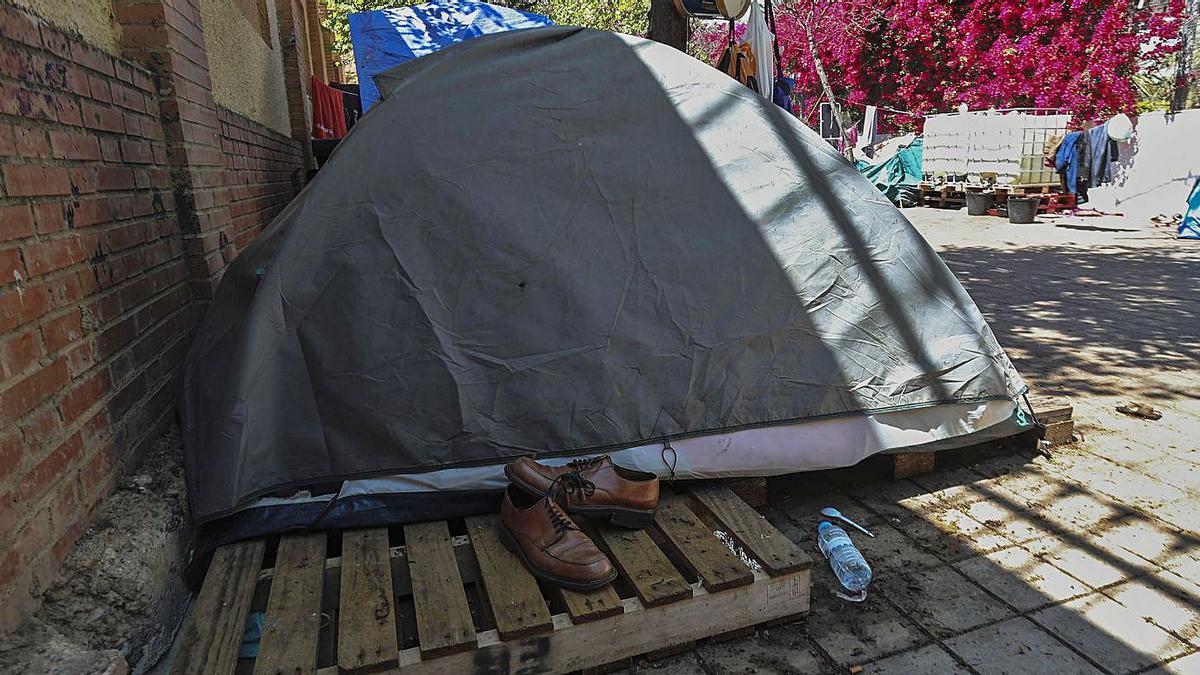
[556,242]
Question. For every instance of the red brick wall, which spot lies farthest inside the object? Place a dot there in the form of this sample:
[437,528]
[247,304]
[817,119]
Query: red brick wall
[264,173]
[96,307]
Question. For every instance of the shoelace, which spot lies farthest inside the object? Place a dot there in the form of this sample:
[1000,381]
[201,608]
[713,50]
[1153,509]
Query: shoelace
[586,463]
[571,483]
[557,517]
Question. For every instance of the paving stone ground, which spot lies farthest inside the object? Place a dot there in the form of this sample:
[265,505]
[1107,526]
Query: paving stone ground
[1083,561]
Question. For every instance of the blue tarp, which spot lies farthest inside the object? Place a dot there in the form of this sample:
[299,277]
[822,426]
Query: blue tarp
[1190,227]
[385,38]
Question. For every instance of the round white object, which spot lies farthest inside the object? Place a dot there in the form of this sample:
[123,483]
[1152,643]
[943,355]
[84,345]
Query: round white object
[1120,127]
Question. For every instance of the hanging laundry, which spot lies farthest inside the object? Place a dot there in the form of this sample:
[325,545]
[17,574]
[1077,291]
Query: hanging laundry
[760,38]
[1066,161]
[1104,153]
[781,92]
[869,133]
[328,112]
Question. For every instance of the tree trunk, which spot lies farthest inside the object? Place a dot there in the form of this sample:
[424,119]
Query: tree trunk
[1189,34]
[667,25]
[847,151]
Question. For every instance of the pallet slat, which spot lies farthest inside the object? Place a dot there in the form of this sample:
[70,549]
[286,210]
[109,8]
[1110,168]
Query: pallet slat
[367,610]
[583,607]
[213,635]
[516,601]
[444,623]
[716,566]
[293,617]
[574,647]
[654,578]
[751,530]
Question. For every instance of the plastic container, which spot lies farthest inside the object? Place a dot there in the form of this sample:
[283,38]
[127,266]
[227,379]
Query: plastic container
[978,203]
[848,564]
[1022,210]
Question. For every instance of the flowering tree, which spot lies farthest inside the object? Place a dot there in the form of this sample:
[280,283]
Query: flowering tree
[931,55]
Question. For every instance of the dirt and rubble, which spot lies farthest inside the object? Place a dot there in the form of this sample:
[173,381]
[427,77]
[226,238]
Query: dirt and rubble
[119,596]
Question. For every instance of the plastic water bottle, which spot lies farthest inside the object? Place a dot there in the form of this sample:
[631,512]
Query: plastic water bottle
[847,563]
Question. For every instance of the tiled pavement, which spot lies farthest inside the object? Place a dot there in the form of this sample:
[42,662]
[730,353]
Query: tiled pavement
[1081,562]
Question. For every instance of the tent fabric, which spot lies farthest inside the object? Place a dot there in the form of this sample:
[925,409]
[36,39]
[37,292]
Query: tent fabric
[1189,227]
[623,247]
[897,176]
[386,38]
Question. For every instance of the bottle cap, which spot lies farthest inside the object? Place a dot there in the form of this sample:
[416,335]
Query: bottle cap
[825,525]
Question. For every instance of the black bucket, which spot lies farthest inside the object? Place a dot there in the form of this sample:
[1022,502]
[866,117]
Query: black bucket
[978,203]
[1022,210]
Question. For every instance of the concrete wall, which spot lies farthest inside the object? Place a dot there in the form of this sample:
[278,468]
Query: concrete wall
[246,70]
[91,19]
[1157,169]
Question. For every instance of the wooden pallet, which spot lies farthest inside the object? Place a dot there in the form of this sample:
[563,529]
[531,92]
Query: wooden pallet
[437,602]
[1049,202]
[942,196]
[953,195]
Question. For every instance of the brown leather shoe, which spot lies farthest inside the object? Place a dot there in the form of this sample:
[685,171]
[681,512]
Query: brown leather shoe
[550,544]
[592,487]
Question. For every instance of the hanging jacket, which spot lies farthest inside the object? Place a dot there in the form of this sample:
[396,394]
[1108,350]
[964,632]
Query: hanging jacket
[1066,160]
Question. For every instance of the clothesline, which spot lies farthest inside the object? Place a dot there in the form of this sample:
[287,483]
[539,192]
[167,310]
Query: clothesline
[880,107]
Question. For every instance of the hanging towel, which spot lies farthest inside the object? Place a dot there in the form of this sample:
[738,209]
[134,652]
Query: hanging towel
[328,112]
[760,38]
[869,125]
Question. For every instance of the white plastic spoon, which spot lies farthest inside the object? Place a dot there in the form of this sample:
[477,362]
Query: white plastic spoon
[830,512]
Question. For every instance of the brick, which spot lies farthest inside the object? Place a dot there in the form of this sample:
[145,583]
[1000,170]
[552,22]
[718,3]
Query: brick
[12,267]
[47,256]
[127,97]
[80,358]
[32,143]
[136,152]
[35,180]
[83,180]
[72,145]
[22,305]
[8,141]
[50,470]
[114,178]
[92,58]
[77,82]
[41,429]
[103,118]
[19,351]
[68,111]
[100,89]
[50,217]
[61,331]
[12,447]
[83,396]
[89,212]
[22,396]
[16,221]
[56,42]
[19,26]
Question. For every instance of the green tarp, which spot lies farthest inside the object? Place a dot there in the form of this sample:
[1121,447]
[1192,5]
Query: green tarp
[897,177]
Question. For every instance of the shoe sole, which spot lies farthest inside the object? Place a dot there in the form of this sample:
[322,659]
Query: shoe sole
[631,519]
[510,543]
